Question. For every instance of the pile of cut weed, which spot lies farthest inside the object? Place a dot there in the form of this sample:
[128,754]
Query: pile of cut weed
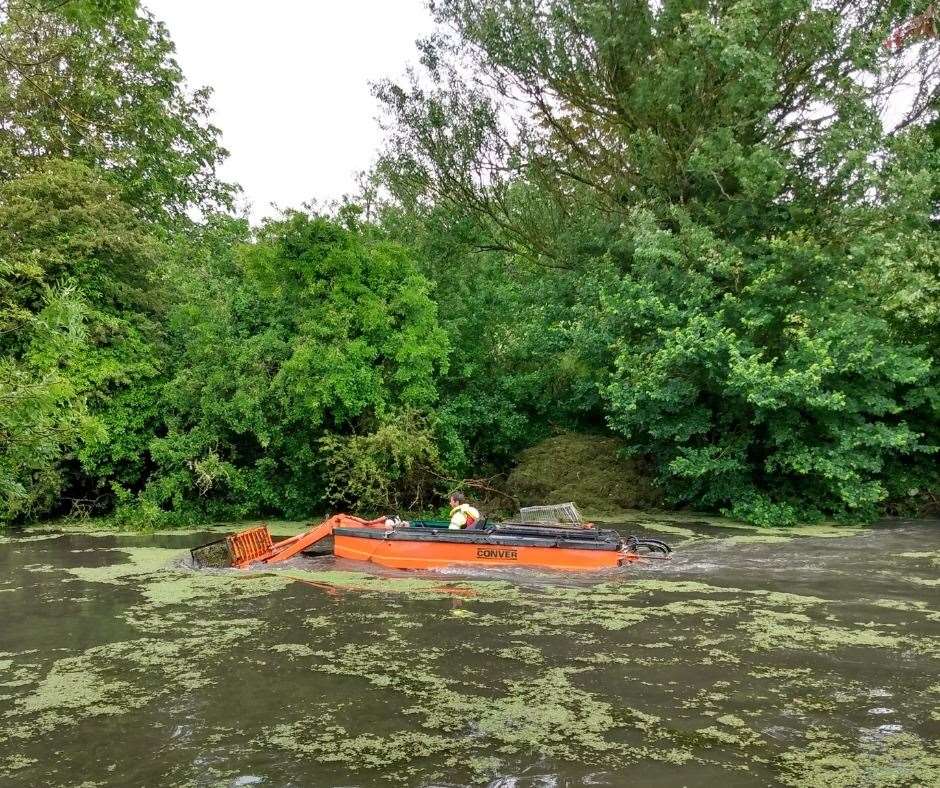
[587,469]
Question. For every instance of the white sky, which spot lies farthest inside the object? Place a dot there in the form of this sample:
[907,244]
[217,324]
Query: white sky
[291,81]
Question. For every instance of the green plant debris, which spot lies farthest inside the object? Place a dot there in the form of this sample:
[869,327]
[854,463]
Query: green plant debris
[14,763]
[755,539]
[293,649]
[669,529]
[140,561]
[21,538]
[931,582]
[929,555]
[829,761]
[587,469]
[772,629]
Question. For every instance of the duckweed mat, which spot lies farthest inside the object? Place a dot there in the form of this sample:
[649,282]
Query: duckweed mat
[751,658]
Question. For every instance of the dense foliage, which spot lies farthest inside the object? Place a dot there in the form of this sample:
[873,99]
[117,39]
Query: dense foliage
[749,255]
[707,227]
[310,339]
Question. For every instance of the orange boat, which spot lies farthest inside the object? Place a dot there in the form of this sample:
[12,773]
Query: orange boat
[432,545]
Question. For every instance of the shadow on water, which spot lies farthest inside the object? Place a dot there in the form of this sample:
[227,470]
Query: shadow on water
[751,658]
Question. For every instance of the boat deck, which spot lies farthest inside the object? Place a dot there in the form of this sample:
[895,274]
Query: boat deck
[577,540]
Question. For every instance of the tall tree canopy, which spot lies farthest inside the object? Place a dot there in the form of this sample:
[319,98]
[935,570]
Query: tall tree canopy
[309,332]
[96,80]
[709,227]
[102,151]
[717,176]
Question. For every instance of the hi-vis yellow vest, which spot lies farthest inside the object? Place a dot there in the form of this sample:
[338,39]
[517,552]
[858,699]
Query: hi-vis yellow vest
[463,516]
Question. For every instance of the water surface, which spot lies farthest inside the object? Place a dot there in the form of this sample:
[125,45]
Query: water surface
[752,658]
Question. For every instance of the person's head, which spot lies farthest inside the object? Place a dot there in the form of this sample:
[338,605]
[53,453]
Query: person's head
[457,498]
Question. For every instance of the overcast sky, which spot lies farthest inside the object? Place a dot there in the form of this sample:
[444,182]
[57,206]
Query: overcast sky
[291,81]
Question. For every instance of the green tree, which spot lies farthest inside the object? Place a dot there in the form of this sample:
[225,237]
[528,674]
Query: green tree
[96,81]
[43,414]
[521,362]
[103,151]
[79,325]
[312,330]
[717,175]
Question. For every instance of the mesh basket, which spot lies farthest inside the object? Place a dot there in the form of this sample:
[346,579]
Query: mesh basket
[564,513]
[215,555]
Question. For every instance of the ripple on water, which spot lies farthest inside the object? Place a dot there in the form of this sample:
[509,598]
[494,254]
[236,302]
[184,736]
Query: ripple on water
[744,664]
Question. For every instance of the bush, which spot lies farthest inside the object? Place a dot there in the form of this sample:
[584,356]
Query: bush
[295,354]
[396,467]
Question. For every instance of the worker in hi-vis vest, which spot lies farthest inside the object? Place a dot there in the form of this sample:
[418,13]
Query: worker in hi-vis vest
[462,514]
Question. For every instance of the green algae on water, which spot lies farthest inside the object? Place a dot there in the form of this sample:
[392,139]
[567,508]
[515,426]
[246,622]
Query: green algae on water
[681,587]
[715,734]
[14,763]
[755,539]
[524,653]
[187,588]
[71,684]
[330,743]
[140,561]
[42,568]
[675,530]
[117,678]
[931,582]
[423,679]
[478,590]
[294,649]
[933,556]
[18,538]
[545,713]
[771,629]
[826,760]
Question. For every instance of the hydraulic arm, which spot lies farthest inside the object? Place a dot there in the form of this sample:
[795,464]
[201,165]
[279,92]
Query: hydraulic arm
[255,545]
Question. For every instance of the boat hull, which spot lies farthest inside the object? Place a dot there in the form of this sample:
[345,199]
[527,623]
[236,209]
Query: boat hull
[403,553]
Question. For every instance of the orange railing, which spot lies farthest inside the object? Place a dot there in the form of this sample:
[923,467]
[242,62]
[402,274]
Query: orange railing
[250,545]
